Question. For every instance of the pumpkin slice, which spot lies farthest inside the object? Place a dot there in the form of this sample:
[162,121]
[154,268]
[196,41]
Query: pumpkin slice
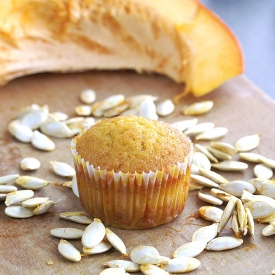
[177,38]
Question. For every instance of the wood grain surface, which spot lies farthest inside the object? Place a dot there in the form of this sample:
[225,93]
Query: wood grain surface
[26,245]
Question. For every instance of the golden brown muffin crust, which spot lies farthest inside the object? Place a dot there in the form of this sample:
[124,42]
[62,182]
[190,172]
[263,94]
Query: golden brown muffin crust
[133,144]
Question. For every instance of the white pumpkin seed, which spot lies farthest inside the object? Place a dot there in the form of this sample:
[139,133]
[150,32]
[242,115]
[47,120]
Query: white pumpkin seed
[88,96]
[198,108]
[129,266]
[112,101]
[213,176]
[44,207]
[199,128]
[182,265]
[67,233]
[68,251]
[116,242]
[252,157]
[221,194]
[195,170]
[250,223]
[209,198]
[150,269]
[214,133]
[58,116]
[210,213]
[194,186]
[93,234]
[7,188]
[20,132]
[236,187]
[19,212]
[235,225]
[264,186]
[262,171]
[206,152]
[114,271]
[78,217]
[182,125]
[115,111]
[136,100]
[62,169]
[227,212]
[145,254]
[74,186]
[102,247]
[42,142]
[18,196]
[241,215]
[224,147]
[269,230]
[165,108]
[58,129]
[259,209]
[230,165]
[267,219]
[203,181]
[8,178]
[34,202]
[206,233]
[223,243]
[32,183]
[83,110]
[191,249]
[97,110]
[201,161]
[29,164]
[148,109]
[247,196]
[247,143]
[219,154]
[268,162]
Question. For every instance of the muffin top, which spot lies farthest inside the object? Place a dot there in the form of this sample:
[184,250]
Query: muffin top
[133,144]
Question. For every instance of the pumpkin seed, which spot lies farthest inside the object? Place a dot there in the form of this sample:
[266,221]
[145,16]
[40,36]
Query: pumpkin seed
[206,233]
[210,213]
[219,154]
[115,241]
[241,215]
[247,143]
[201,161]
[136,100]
[34,202]
[199,128]
[247,196]
[209,198]
[67,233]
[78,217]
[252,157]
[235,225]
[194,186]
[236,187]
[150,269]
[74,186]
[112,101]
[18,196]
[114,271]
[203,181]
[267,219]
[29,164]
[68,251]
[195,169]
[115,111]
[227,212]
[214,133]
[144,254]
[88,96]
[58,116]
[148,109]
[269,230]
[165,108]
[62,169]
[182,265]
[182,125]
[230,165]
[213,176]
[198,108]
[191,249]
[224,147]
[7,188]
[32,183]
[44,207]
[129,266]
[262,171]
[83,110]
[8,178]
[206,152]
[264,186]
[268,162]
[93,234]
[68,184]
[58,129]
[19,212]
[250,223]
[223,243]
[259,209]
[221,194]
[42,142]
[20,132]
[102,247]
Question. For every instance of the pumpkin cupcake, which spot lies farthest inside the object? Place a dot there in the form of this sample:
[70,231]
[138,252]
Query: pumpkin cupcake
[132,172]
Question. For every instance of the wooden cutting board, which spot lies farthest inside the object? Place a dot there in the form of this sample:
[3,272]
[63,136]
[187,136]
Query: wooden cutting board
[26,245]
